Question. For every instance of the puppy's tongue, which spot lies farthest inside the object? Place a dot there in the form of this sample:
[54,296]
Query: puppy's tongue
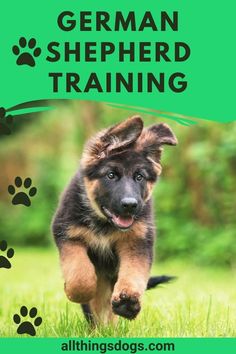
[123,222]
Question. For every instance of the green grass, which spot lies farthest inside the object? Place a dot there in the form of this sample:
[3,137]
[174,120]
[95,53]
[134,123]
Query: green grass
[202,302]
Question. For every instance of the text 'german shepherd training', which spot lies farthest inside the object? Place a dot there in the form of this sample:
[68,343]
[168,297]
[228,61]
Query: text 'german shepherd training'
[103,226]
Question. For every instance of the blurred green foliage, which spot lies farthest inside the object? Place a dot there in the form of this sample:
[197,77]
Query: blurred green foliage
[195,199]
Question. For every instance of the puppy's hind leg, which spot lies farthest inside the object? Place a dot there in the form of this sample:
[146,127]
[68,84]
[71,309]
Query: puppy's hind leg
[88,314]
[100,306]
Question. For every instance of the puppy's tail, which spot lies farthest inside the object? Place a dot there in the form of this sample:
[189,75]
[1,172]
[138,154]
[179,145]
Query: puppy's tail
[155,281]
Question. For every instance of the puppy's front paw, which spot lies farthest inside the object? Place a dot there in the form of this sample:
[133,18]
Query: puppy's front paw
[126,305]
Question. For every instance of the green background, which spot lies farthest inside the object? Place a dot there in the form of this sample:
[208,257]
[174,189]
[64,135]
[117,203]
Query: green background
[194,215]
[208,27]
[182,346]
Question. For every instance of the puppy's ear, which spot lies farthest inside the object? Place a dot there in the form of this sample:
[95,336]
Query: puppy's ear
[163,134]
[123,134]
[152,140]
[113,140]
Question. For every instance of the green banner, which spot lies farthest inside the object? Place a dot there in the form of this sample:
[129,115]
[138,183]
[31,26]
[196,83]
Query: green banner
[175,58]
[112,345]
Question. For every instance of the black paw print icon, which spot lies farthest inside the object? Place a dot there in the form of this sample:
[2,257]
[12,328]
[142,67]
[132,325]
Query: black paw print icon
[8,253]
[27,326]
[22,196]
[6,121]
[26,52]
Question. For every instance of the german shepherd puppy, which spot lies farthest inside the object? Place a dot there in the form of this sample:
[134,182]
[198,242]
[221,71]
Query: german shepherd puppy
[103,226]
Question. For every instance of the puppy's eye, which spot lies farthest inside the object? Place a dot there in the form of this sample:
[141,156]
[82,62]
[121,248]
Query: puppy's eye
[111,175]
[139,177]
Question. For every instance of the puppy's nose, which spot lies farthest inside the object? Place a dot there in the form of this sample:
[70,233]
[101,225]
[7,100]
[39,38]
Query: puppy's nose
[129,204]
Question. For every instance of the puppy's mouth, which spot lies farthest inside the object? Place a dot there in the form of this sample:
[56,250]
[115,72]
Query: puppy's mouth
[122,222]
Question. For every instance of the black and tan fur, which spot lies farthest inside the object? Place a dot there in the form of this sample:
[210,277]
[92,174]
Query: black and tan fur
[103,226]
